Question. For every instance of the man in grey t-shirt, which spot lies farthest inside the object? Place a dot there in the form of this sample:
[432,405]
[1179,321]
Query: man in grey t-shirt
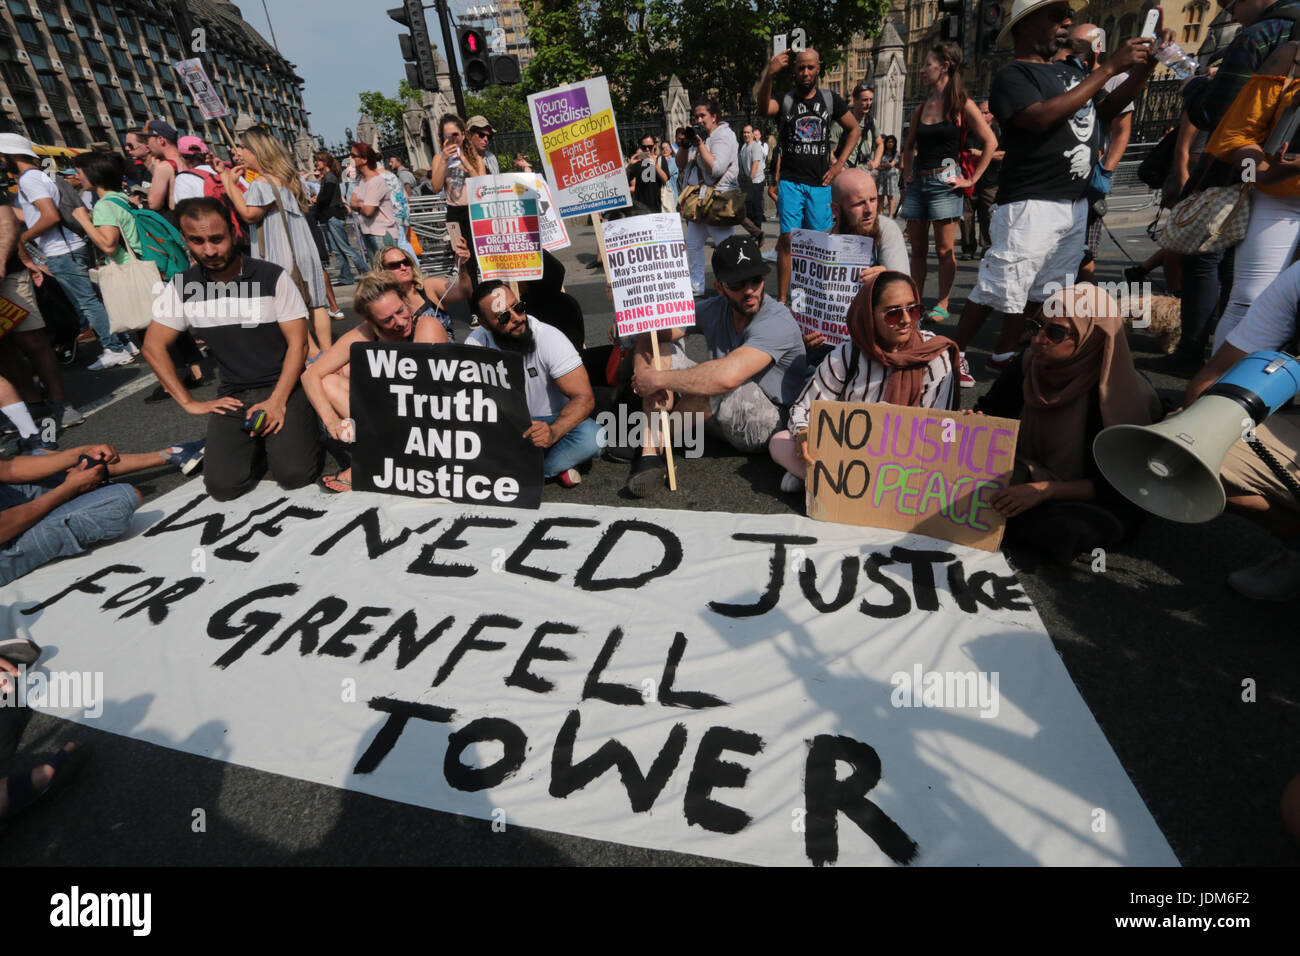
[754,372]
[404,175]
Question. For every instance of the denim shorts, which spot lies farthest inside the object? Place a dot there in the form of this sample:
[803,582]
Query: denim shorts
[929,199]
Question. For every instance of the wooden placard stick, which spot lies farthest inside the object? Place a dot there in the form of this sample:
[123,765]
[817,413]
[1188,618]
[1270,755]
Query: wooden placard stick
[599,226]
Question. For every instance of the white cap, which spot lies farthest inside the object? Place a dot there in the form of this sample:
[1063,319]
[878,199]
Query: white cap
[11,144]
[1022,8]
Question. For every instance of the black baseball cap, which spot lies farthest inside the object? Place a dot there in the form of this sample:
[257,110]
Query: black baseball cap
[159,128]
[738,258]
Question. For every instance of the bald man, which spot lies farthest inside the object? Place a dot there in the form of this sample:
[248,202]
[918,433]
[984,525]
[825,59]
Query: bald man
[855,208]
[804,117]
[1087,47]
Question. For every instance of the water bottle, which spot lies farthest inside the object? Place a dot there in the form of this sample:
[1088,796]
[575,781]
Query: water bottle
[1180,64]
[455,177]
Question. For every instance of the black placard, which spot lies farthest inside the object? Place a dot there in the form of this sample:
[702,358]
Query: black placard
[443,421]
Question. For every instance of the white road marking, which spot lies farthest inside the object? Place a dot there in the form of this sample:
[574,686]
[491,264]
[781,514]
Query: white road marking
[137,384]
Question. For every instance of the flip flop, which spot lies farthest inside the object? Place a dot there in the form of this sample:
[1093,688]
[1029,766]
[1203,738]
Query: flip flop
[327,479]
[936,314]
[23,796]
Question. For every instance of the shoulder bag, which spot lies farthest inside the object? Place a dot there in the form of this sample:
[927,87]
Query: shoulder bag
[294,272]
[129,290]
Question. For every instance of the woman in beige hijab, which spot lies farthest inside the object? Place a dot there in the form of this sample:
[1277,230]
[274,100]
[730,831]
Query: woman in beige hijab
[1076,378]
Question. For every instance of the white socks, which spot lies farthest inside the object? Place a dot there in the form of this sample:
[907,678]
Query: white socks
[21,417]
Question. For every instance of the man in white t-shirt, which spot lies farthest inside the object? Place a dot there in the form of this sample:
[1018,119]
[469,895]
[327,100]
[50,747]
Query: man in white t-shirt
[556,383]
[1254,491]
[66,254]
[189,182]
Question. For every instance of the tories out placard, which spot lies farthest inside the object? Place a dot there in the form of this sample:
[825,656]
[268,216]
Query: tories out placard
[921,470]
[649,274]
[443,421]
[505,228]
[578,139]
[824,274]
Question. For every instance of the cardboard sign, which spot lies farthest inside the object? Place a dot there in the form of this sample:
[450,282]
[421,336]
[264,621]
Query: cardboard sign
[758,688]
[503,221]
[824,272]
[649,274]
[443,421]
[575,131]
[205,95]
[11,314]
[921,470]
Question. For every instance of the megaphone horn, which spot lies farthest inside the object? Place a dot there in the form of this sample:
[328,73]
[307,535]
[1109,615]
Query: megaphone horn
[1171,469]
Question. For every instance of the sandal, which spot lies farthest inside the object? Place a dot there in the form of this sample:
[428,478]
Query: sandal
[936,314]
[334,484]
[23,796]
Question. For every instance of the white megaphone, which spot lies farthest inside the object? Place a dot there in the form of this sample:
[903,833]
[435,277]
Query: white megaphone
[1171,469]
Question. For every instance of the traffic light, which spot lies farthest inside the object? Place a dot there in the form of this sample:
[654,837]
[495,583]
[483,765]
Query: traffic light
[952,13]
[421,73]
[474,57]
[505,69]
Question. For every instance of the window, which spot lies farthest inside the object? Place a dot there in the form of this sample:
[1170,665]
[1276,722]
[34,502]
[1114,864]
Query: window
[123,62]
[128,28]
[50,83]
[40,62]
[84,31]
[104,12]
[137,103]
[30,37]
[152,33]
[101,77]
[133,48]
[112,97]
[96,53]
[61,43]
[142,65]
[79,8]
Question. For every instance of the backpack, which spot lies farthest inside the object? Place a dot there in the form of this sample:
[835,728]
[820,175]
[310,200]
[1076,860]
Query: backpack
[67,203]
[214,188]
[160,243]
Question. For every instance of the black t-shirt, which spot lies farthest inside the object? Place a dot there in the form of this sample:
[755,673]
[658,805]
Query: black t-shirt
[1055,165]
[646,184]
[806,137]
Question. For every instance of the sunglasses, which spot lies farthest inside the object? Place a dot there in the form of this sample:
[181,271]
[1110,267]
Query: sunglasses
[1056,334]
[519,308]
[481,132]
[895,314]
[393,265]
[744,284]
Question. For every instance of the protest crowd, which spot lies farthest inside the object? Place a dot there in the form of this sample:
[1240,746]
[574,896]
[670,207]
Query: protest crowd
[1016,182]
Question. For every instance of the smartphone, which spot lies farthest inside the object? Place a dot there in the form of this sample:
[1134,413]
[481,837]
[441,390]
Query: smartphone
[779,43]
[453,233]
[1151,26]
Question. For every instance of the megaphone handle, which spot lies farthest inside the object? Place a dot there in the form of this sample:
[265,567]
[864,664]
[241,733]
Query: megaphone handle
[1274,466]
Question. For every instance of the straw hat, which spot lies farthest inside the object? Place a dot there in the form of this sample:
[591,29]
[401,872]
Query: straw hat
[1023,8]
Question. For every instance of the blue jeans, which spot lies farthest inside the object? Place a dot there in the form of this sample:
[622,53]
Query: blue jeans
[582,443]
[99,515]
[336,238]
[72,271]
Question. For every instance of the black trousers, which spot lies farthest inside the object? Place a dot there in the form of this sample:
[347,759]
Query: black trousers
[234,461]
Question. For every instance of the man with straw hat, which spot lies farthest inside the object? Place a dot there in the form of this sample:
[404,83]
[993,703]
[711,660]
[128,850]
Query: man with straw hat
[1050,132]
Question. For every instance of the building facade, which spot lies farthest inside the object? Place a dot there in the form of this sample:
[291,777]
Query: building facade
[77,72]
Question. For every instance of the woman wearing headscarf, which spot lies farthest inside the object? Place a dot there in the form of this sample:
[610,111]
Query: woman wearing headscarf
[1076,378]
[888,358]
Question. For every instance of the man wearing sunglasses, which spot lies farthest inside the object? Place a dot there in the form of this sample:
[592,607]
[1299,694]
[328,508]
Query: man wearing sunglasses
[555,381]
[480,133]
[754,373]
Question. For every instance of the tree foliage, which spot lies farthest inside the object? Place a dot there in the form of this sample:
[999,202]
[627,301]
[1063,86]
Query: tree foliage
[506,107]
[717,47]
[387,111]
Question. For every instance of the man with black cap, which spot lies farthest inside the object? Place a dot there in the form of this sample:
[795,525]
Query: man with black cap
[754,373]
[161,140]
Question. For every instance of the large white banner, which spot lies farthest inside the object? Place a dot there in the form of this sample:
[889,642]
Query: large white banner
[764,689]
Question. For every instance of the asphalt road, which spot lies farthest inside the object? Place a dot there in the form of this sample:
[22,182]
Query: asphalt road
[1157,644]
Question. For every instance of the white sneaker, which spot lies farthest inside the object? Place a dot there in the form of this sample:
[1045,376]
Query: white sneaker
[770,254]
[109,359]
[1276,578]
[132,349]
[791,483]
